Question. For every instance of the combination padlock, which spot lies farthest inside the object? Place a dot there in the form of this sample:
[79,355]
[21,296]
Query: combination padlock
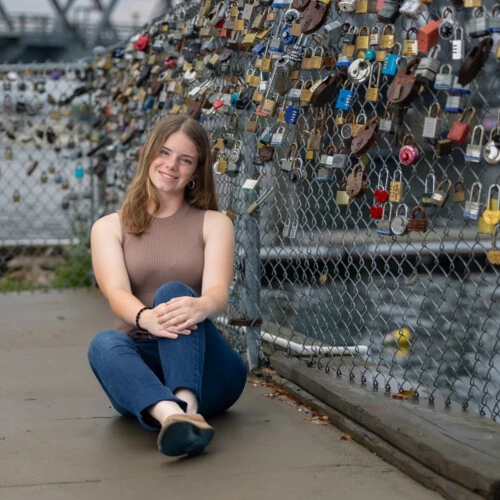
[409,154]
[297,174]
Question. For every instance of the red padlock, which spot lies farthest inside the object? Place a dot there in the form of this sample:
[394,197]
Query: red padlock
[409,153]
[142,43]
[381,195]
[171,62]
[428,36]
[376,212]
[460,129]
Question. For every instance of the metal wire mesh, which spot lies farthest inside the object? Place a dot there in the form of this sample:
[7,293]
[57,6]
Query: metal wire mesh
[417,311]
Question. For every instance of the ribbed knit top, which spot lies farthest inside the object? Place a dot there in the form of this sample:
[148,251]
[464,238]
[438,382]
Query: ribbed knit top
[171,249]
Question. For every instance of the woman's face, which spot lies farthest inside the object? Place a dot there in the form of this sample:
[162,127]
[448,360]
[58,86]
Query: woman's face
[176,165]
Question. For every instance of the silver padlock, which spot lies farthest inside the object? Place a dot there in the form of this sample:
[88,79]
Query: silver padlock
[429,66]
[347,5]
[278,138]
[432,124]
[386,124]
[384,224]
[286,163]
[457,44]
[359,71]
[399,223]
[454,104]
[473,151]
[235,153]
[478,26]
[473,205]
[412,9]
[492,148]
[375,36]
[297,174]
[444,79]
[456,88]
[331,33]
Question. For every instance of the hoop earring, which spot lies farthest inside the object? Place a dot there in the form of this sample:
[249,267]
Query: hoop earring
[191,185]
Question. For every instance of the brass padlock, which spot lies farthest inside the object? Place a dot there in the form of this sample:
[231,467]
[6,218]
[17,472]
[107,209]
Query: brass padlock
[459,191]
[440,196]
[396,186]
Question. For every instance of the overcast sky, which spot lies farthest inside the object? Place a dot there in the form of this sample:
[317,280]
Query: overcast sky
[123,10]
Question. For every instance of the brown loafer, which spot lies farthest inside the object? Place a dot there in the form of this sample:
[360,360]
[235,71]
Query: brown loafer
[183,434]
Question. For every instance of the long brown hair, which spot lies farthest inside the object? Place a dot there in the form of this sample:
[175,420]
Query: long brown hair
[134,214]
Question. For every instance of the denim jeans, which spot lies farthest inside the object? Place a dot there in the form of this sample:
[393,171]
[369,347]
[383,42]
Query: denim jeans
[136,373]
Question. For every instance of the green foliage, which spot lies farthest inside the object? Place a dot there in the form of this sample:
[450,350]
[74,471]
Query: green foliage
[9,284]
[76,272]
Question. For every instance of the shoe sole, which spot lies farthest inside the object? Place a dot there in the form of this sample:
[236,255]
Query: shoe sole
[181,438]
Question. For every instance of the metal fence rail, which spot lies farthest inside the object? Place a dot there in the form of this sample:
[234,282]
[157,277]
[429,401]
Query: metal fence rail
[312,274]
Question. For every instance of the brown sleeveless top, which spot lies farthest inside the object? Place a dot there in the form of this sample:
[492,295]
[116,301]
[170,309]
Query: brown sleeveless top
[171,249]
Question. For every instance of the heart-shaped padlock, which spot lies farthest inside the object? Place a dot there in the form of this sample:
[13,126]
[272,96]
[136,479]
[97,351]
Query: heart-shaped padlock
[381,195]
[376,212]
[409,153]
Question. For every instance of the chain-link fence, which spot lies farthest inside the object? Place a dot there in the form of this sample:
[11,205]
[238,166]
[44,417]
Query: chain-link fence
[317,273]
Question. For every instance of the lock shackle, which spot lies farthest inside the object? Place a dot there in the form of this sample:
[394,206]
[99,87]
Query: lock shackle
[448,10]
[295,147]
[468,110]
[411,31]
[476,186]
[443,67]
[492,131]
[398,174]
[382,171]
[456,30]
[490,195]
[442,183]
[494,238]
[481,134]
[361,115]
[437,107]
[479,10]
[387,204]
[365,29]
[329,148]
[386,110]
[398,46]
[379,71]
[418,209]
[434,52]
[459,183]
[405,138]
[494,10]
[402,205]
[353,118]
[387,27]
[432,177]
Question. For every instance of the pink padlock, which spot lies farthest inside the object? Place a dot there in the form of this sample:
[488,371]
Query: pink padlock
[409,153]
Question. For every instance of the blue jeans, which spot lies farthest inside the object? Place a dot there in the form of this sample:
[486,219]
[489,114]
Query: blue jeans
[136,373]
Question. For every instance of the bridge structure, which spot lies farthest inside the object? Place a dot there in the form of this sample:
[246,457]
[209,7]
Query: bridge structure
[70,33]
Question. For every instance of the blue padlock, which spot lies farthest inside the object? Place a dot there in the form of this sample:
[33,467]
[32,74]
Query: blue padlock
[78,171]
[344,99]
[390,66]
[148,103]
[370,55]
[259,48]
[286,35]
[292,114]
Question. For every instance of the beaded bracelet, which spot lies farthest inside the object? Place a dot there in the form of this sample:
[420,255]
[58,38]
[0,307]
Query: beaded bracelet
[138,316]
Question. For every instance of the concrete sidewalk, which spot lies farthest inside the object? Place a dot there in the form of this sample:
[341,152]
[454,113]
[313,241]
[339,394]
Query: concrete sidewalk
[60,439]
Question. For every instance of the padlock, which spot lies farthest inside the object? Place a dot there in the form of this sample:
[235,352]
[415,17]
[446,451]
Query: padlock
[366,6]
[492,148]
[292,114]
[491,213]
[297,174]
[472,206]
[388,37]
[456,88]
[331,34]
[381,194]
[429,66]
[358,125]
[440,196]
[326,159]
[392,61]
[409,154]
[384,223]
[494,20]
[399,223]
[341,197]
[493,254]
[429,189]
[8,153]
[446,29]
[44,178]
[373,91]
[460,129]
[457,44]
[478,25]
[444,79]
[412,9]
[432,124]
[410,46]
[363,38]
[356,181]
[458,191]
[415,223]
[350,35]
[389,11]
[428,36]
[386,125]
[474,152]
[278,138]
[396,186]
[375,36]
[347,5]
[286,164]
[314,141]
[16,196]
[345,97]
[347,129]
[235,153]
[454,104]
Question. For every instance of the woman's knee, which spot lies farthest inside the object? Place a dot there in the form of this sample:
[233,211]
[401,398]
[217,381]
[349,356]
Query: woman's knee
[171,290]
[103,343]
